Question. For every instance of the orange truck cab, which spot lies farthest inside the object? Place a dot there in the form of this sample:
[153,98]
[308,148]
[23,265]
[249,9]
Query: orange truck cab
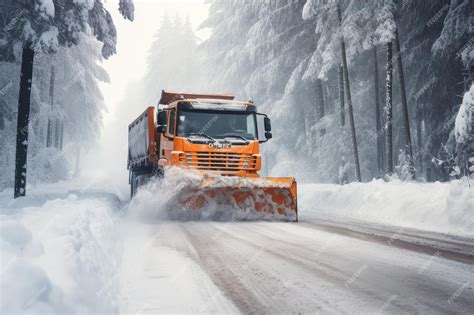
[212,134]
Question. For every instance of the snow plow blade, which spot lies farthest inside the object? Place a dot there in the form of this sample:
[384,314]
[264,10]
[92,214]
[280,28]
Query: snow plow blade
[227,198]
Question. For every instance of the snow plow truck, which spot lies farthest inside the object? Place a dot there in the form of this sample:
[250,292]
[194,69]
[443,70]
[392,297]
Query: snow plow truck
[219,138]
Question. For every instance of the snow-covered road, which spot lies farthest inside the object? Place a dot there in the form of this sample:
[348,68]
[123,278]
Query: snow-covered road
[71,248]
[310,266]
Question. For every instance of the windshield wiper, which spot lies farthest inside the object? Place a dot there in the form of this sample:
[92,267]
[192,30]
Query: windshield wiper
[201,135]
[233,136]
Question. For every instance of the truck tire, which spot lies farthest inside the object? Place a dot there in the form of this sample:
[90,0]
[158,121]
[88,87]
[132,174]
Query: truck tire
[133,184]
[140,178]
[159,172]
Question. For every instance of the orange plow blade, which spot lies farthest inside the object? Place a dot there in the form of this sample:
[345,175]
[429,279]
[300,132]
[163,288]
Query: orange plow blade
[225,198]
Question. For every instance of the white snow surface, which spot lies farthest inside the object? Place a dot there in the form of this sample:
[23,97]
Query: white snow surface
[464,118]
[439,207]
[46,7]
[48,40]
[58,247]
[75,247]
[156,278]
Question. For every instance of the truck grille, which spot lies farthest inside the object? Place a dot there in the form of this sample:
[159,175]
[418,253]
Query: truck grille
[219,161]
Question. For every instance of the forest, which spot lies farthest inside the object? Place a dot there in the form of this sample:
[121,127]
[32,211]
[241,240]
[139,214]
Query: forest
[353,196]
[359,89]
[356,90]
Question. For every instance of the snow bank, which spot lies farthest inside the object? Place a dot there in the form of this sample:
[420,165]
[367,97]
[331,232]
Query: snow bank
[58,250]
[439,207]
[24,286]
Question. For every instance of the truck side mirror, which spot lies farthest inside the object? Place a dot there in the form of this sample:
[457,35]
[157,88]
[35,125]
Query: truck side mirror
[268,126]
[268,135]
[161,122]
[161,129]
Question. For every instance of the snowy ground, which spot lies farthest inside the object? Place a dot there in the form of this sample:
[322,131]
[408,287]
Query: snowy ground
[440,207]
[375,247]
[58,246]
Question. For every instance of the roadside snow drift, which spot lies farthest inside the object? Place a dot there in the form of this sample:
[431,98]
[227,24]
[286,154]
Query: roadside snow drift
[59,252]
[439,207]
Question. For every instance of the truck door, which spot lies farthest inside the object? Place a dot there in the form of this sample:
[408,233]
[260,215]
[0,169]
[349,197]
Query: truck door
[168,137]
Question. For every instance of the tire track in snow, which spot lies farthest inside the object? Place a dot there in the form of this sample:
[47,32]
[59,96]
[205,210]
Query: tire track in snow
[265,267]
[424,288]
[263,291]
[415,290]
[221,274]
[298,255]
[455,251]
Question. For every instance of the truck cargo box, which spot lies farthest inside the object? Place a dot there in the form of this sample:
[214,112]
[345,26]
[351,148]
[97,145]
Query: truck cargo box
[141,140]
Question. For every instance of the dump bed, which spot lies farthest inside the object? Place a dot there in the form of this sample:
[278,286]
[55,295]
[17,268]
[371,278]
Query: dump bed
[141,140]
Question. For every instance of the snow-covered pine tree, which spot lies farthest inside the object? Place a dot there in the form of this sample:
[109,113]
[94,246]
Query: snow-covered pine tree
[251,39]
[42,26]
[386,32]
[191,62]
[156,60]
[78,94]
[404,168]
[358,27]
[270,57]
[78,104]
[172,61]
[433,66]
[347,89]
[226,61]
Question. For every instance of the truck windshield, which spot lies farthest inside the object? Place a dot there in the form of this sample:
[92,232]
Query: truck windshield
[217,124]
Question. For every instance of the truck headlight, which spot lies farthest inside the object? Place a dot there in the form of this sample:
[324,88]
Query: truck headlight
[246,162]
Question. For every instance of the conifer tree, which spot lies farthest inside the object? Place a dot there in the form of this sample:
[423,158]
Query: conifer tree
[45,26]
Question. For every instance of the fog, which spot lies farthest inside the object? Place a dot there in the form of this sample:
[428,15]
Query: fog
[126,68]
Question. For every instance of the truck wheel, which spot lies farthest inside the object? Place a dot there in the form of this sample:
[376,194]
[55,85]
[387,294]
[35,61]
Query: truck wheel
[159,172]
[141,180]
[133,184]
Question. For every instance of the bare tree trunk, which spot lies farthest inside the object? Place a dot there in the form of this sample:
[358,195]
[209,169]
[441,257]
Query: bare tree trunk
[2,123]
[349,103]
[378,123]
[306,122]
[341,95]
[23,120]
[49,132]
[419,139]
[319,84]
[388,112]
[57,131]
[403,97]
[342,166]
[61,135]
